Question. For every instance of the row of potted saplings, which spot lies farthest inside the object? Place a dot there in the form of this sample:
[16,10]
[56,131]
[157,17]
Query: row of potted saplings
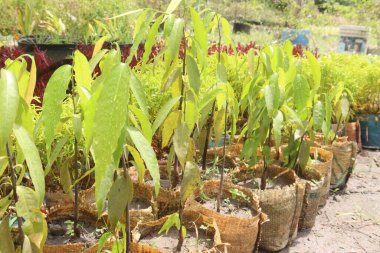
[267,218]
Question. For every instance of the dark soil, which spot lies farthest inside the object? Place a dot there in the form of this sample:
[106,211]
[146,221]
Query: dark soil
[60,232]
[169,242]
[139,204]
[231,207]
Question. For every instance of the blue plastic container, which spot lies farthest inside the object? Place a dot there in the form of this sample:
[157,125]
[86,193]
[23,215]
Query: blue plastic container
[296,36]
[370,130]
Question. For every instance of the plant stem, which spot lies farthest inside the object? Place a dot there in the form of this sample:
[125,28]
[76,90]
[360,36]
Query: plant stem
[180,236]
[220,194]
[181,101]
[263,184]
[337,128]
[20,239]
[209,126]
[76,175]
[127,216]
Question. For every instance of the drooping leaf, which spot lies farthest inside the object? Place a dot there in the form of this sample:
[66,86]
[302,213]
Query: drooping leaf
[33,160]
[109,121]
[138,93]
[147,154]
[190,181]
[301,93]
[146,127]
[200,35]
[82,70]
[315,69]
[9,101]
[94,61]
[99,45]
[151,39]
[120,195]
[181,142]
[193,72]
[32,81]
[138,162]
[174,42]
[344,107]
[304,154]
[54,95]
[163,113]
[172,6]
[65,178]
[169,125]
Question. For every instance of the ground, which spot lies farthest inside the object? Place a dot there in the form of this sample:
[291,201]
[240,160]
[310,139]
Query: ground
[350,221]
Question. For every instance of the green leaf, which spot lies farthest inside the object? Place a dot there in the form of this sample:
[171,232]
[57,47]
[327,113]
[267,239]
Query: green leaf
[102,241]
[139,94]
[221,73]
[151,39]
[190,181]
[169,125]
[82,70]
[181,142]
[6,240]
[344,107]
[269,100]
[301,93]
[172,220]
[27,202]
[140,32]
[163,113]
[174,76]
[98,46]
[219,124]
[193,73]
[318,115]
[147,154]
[9,101]
[4,203]
[172,6]
[54,95]
[304,154]
[200,34]
[315,69]
[173,42]
[277,127]
[109,121]
[94,61]
[33,160]
[146,127]
[65,178]
[138,163]
[119,197]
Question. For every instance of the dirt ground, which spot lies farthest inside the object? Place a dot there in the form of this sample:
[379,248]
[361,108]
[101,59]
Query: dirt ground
[350,221]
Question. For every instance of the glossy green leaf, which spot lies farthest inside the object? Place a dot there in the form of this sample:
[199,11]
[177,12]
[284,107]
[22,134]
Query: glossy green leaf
[138,163]
[147,154]
[301,92]
[151,39]
[33,160]
[9,102]
[94,61]
[139,94]
[163,113]
[190,181]
[120,195]
[54,95]
[109,120]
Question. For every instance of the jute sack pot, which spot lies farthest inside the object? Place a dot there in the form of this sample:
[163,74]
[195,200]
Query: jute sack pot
[313,191]
[65,212]
[241,234]
[189,219]
[283,205]
[343,162]
[135,248]
[232,152]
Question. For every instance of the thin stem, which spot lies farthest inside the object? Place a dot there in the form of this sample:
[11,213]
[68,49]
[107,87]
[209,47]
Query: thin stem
[209,124]
[127,215]
[263,184]
[76,175]
[220,195]
[20,239]
[180,235]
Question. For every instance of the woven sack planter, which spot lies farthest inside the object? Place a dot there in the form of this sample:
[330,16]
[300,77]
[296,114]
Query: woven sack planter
[232,152]
[241,234]
[343,162]
[283,205]
[353,132]
[135,248]
[313,191]
[189,219]
[63,212]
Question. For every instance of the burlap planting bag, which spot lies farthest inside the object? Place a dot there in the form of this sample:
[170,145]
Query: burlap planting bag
[66,212]
[241,234]
[313,191]
[343,162]
[283,204]
[189,220]
[135,248]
